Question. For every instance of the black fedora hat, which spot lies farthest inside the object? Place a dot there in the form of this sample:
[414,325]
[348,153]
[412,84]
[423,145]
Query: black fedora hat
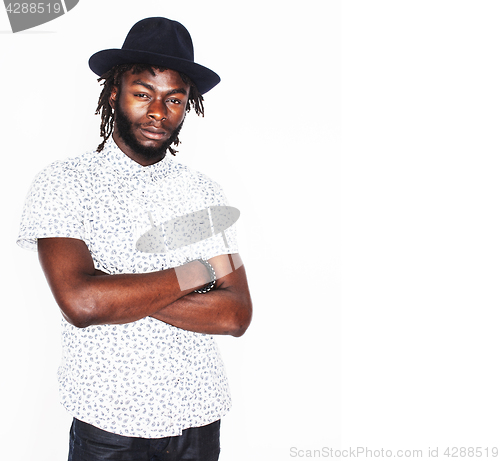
[158,42]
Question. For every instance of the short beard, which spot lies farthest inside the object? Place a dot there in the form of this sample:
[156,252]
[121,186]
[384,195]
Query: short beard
[124,127]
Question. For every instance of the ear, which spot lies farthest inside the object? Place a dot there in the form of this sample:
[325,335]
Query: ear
[113,96]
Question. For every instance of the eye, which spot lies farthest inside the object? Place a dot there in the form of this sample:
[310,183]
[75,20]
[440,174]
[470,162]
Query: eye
[141,95]
[174,101]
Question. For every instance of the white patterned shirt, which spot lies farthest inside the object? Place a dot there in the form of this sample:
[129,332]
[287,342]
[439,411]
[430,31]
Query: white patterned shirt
[145,378]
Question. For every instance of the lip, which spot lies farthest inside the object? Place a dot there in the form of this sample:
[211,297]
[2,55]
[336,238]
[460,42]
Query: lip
[153,133]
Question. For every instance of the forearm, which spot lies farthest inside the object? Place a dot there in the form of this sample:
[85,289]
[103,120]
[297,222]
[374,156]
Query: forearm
[86,297]
[90,297]
[124,298]
[226,310]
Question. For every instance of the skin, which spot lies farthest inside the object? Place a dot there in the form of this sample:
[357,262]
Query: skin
[156,106]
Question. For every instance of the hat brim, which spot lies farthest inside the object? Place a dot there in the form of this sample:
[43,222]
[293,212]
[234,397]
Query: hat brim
[204,78]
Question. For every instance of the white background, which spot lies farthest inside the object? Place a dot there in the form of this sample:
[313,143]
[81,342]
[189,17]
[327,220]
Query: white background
[359,139]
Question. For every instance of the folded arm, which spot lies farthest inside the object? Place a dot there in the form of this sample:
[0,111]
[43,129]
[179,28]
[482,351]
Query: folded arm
[89,297]
[227,309]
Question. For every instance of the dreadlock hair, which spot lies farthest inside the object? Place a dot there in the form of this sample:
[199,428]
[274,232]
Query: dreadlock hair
[113,78]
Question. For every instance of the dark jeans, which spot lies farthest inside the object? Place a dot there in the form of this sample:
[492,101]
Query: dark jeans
[88,443]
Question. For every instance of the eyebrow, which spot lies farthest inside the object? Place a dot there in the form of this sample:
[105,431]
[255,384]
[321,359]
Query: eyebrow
[152,88]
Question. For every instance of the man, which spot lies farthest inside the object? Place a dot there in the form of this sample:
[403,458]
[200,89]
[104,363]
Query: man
[141,373]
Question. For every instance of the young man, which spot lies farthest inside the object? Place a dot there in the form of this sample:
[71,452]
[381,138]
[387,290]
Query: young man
[141,373]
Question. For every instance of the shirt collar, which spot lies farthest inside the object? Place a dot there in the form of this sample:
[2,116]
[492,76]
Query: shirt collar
[129,169]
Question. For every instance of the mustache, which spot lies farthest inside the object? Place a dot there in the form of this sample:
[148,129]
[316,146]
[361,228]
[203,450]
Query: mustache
[152,123]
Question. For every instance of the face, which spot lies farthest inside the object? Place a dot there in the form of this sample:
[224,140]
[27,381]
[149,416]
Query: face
[149,112]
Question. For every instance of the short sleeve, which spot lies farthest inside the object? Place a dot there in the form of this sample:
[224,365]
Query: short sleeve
[228,235]
[53,207]
[225,239]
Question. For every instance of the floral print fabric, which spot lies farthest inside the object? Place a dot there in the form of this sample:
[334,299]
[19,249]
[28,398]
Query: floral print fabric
[145,378]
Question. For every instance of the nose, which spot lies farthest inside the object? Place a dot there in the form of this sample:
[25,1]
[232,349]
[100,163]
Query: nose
[157,110]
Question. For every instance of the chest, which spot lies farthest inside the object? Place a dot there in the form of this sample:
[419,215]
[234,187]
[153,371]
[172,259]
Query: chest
[118,214]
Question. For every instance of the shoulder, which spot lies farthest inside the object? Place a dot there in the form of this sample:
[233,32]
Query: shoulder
[194,177]
[82,162]
[201,189]
[66,172]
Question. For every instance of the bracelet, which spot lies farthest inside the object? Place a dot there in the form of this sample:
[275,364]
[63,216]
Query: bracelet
[213,277]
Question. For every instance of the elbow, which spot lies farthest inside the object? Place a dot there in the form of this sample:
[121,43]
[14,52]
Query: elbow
[78,321]
[77,312]
[240,331]
[242,320]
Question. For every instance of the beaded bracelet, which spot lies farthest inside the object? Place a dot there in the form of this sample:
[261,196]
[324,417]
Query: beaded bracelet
[213,277]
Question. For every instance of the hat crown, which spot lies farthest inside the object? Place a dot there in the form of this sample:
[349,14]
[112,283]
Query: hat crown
[158,42]
[161,36]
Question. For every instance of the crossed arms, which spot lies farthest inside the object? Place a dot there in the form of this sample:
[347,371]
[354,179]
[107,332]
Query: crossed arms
[87,296]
